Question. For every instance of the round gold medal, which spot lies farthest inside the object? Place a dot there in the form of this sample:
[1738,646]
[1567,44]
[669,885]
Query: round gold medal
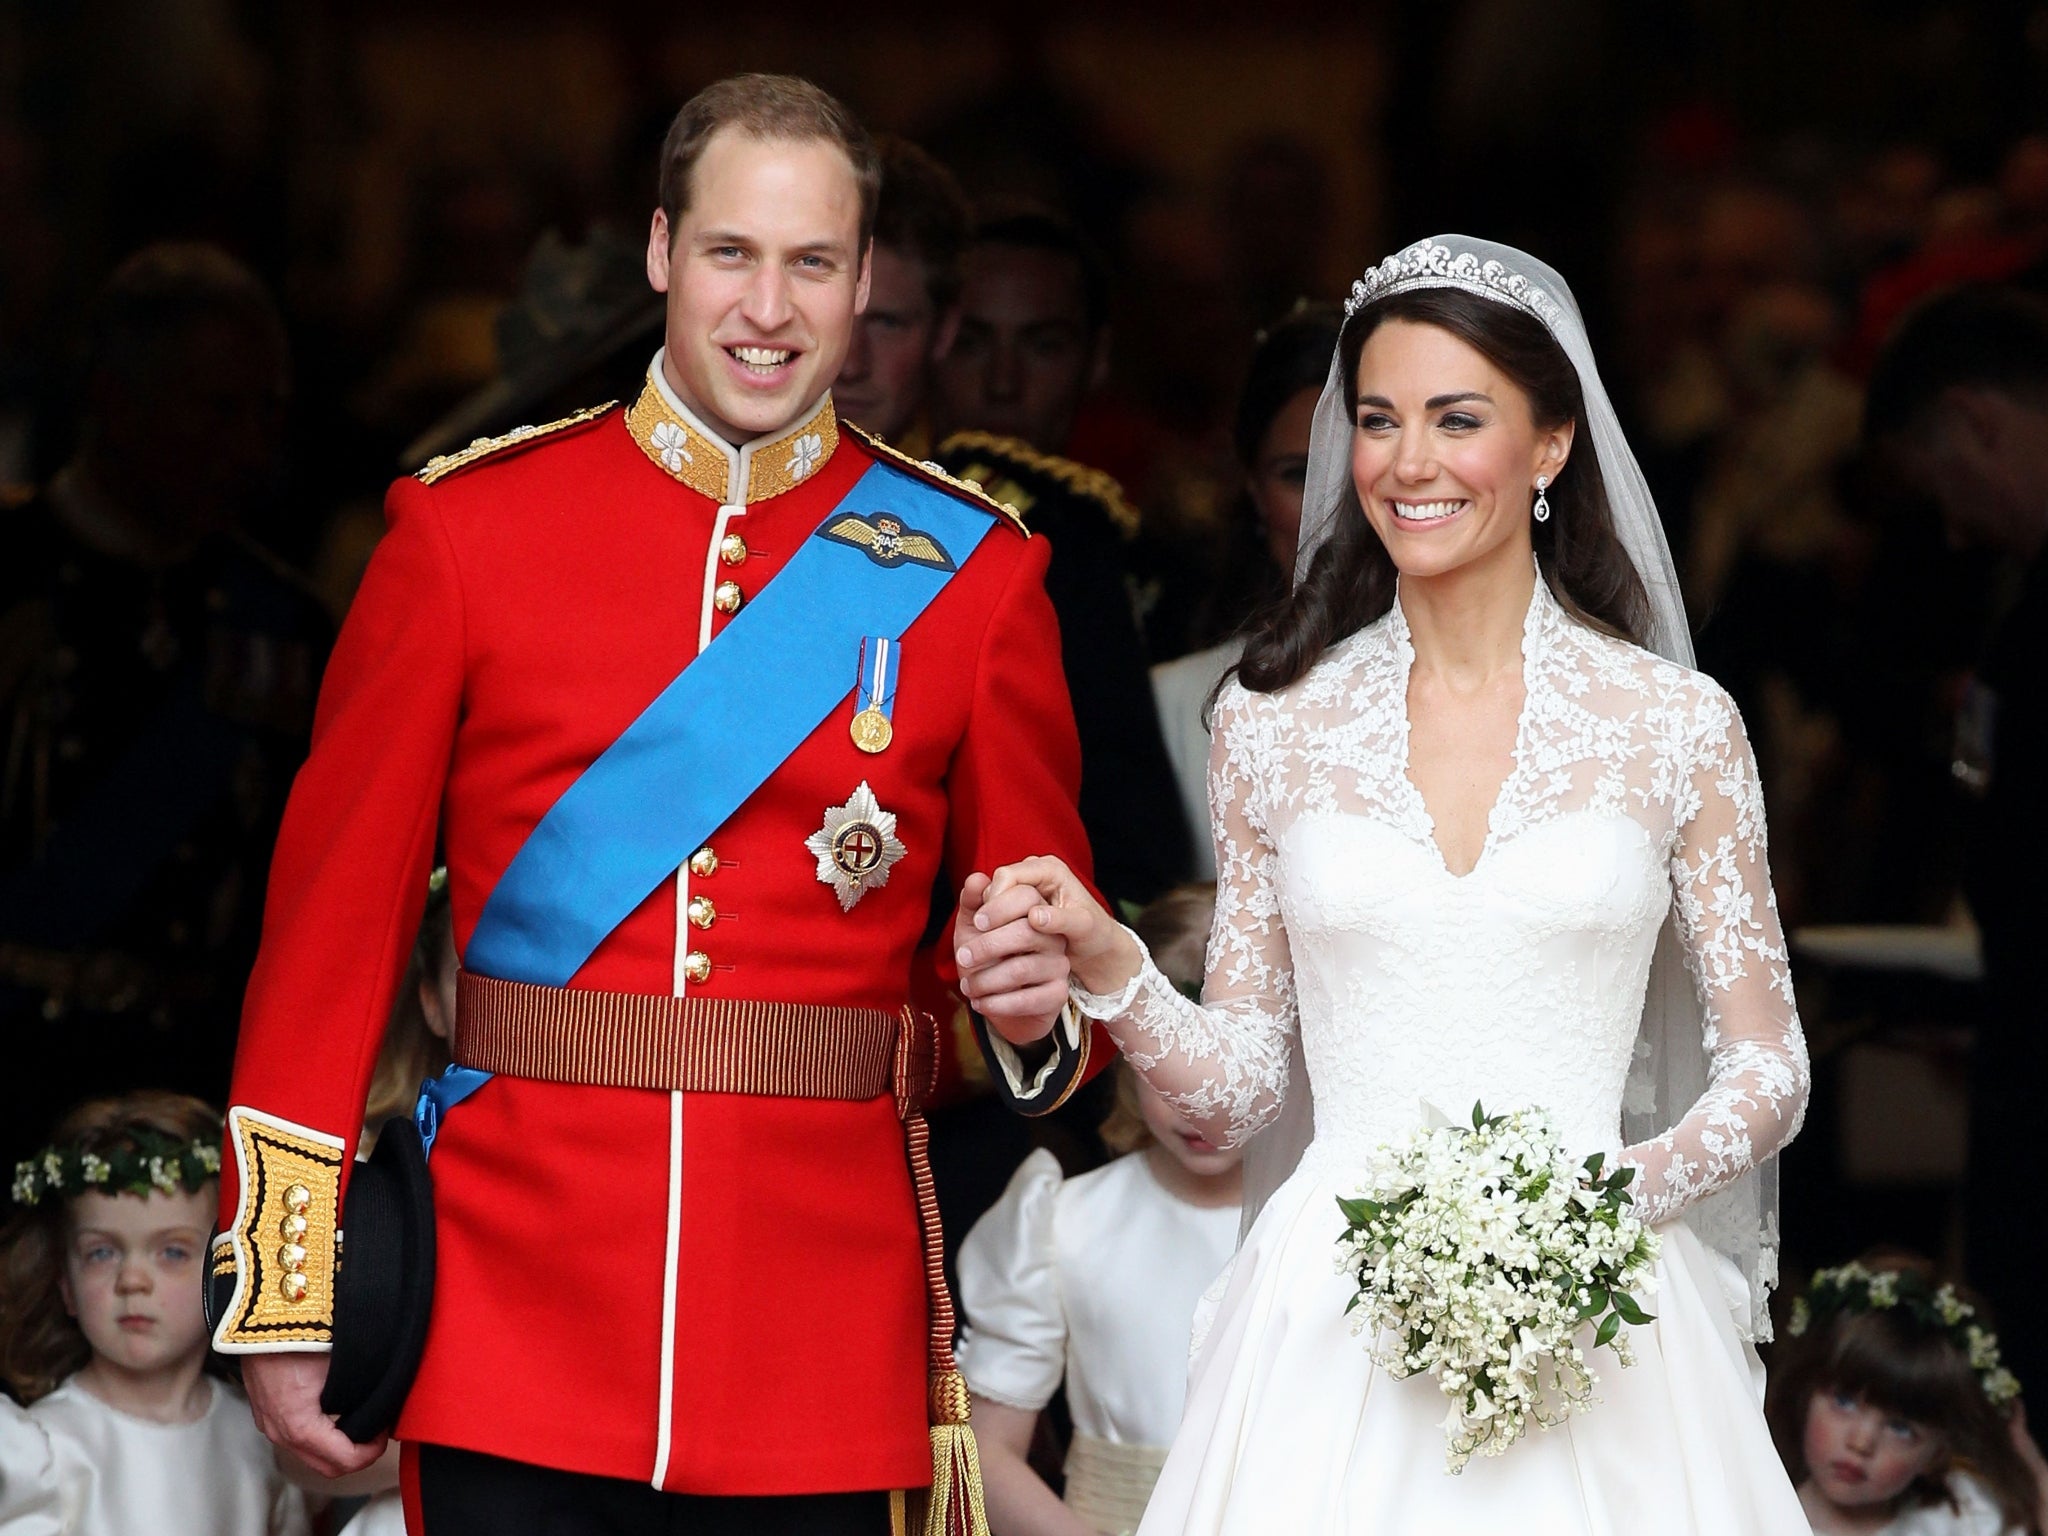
[872,731]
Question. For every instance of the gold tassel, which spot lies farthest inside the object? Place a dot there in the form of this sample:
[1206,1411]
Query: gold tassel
[955,1507]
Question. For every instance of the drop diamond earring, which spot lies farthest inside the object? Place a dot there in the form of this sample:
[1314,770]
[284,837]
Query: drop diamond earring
[1542,508]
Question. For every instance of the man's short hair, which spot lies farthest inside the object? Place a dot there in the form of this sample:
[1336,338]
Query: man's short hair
[1977,336]
[162,289]
[765,107]
[923,215]
[1025,226]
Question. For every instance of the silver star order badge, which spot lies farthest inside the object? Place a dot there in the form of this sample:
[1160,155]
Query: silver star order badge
[855,847]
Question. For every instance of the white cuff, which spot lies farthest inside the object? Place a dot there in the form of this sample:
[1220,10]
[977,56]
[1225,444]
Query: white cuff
[1114,1005]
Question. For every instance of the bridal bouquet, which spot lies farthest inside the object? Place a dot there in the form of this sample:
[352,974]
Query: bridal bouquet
[1481,1254]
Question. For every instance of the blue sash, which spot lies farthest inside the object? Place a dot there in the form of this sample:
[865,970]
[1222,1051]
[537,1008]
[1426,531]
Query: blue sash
[728,721]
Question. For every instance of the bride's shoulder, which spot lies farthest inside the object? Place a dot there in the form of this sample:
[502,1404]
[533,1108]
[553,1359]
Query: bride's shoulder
[1334,676]
[1644,675]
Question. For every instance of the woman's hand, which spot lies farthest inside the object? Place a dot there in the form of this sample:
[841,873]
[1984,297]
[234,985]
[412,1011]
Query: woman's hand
[1050,902]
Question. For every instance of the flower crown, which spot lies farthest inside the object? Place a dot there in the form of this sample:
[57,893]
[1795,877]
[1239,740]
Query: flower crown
[1435,266]
[1855,1288]
[142,1162]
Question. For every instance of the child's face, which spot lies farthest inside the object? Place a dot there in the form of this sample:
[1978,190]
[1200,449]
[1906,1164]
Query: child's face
[132,1273]
[1183,1141]
[1859,1455]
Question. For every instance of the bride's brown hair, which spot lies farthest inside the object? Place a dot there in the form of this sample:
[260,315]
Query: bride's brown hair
[1351,581]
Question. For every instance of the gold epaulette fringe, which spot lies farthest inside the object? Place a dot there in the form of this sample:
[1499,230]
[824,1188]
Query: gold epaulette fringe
[1096,484]
[927,470]
[446,464]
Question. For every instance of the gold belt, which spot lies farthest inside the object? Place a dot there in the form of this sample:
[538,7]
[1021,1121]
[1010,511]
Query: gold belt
[694,1044]
[782,1050]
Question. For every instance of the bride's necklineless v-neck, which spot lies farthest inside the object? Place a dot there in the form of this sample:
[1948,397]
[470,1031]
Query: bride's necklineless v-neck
[1404,649]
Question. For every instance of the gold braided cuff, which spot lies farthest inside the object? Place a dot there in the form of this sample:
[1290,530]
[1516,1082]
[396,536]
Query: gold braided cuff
[284,1238]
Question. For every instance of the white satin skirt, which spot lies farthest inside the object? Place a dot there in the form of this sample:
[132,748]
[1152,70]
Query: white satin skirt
[1291,1427]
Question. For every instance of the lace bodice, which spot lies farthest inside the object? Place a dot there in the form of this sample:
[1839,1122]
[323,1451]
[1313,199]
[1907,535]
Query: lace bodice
[1633,797]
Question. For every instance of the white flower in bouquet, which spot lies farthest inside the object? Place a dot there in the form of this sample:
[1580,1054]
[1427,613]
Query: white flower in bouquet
[1481,1254]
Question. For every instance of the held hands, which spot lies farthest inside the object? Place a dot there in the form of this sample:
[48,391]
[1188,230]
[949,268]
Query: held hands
[284,1395]
[1018,935]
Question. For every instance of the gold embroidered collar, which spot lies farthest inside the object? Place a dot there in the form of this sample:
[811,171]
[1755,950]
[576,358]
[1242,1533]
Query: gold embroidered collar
[670,434]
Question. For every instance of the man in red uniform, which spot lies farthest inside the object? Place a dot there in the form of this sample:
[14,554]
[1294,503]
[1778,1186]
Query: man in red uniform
[701,695]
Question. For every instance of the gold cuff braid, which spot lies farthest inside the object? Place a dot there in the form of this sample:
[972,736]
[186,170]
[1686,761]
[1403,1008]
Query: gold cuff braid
[285,1236]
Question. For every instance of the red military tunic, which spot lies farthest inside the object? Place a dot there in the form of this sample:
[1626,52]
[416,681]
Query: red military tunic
[714,1293]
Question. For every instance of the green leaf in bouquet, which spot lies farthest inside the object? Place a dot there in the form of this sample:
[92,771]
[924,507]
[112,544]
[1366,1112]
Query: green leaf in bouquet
[1358,1212]
[1608,1330]
[1478,1116]
[1593,1166]
[1625,1305]
[1594,1304]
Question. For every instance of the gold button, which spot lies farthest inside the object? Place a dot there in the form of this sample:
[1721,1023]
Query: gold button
[727,597]
[704,862]
[697,966]
[703,912]
[292,1229]
[292,1256]
[293,1286]
[298,1199]
[732,549]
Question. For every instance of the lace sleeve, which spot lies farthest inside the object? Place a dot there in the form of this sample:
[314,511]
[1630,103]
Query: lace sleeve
[1222,1062]
[1726,918]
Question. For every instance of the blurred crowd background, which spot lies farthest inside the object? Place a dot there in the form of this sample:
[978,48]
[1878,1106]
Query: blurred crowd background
[1744,196]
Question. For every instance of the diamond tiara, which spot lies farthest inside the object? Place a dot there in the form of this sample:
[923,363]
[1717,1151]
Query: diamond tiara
[1435,266]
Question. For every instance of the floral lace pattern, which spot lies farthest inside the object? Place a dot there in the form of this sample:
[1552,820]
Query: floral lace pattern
[1633,798]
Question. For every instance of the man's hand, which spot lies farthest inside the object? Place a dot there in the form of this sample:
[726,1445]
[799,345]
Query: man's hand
[1049,904]
[284,1394]
[1014,975]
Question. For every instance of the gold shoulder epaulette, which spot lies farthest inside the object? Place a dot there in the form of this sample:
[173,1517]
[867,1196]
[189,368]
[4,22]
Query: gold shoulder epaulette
[933,474]
[446,464]
[1097,485]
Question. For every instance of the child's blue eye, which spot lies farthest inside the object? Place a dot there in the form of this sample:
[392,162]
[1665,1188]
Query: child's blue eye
[1843,1400]
[99,1253]
[1903,1429]
[177,1253]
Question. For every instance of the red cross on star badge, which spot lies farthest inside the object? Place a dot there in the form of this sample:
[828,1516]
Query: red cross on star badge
[855,847]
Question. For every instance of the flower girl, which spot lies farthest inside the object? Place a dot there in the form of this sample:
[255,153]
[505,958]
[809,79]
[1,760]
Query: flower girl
[102,1339]
[1095,1280]
[1892,1412]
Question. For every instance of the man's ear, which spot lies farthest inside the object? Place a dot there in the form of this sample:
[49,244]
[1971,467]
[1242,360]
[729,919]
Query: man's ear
[946,332]
[866,281]
[658,252]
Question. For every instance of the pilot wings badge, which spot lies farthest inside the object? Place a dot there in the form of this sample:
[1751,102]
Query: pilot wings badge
[887,542]
[855,847]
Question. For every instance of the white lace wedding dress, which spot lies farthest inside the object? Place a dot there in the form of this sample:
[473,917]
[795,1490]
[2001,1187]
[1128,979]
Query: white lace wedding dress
[1633,794]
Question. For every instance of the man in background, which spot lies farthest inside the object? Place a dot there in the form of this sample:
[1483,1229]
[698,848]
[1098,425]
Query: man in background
[1958,410]
[157,676]
[1033,344]
[913,312]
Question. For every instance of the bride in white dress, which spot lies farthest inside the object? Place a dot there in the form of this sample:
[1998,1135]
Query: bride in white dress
[1481,836]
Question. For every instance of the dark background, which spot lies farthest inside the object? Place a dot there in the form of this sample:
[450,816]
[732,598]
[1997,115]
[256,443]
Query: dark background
[1743,196]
